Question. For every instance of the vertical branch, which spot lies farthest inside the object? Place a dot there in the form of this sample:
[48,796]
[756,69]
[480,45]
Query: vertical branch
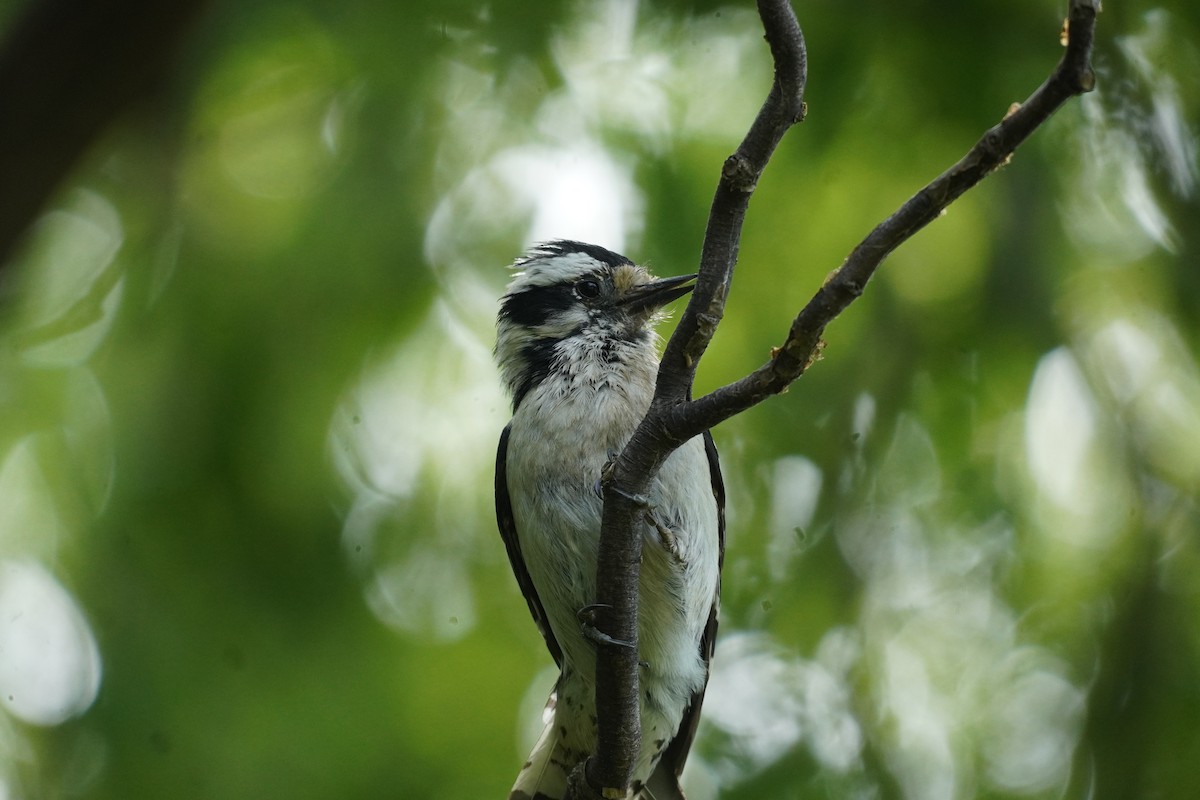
[619,566]
[674,418]
[783,108]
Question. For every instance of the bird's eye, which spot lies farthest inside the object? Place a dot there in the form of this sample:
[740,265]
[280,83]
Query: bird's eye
[588,289]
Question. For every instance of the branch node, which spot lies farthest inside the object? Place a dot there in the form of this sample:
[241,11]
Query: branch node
[708,321]
[817,354]
[1085,81]
[841,280]
[739,174]
[993,141]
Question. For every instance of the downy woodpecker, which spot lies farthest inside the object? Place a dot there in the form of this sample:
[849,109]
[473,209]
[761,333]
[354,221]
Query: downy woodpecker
[578,352]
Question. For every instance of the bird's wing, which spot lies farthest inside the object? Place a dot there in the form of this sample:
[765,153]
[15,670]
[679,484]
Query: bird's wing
[718,487]
[664,783]
[508,532]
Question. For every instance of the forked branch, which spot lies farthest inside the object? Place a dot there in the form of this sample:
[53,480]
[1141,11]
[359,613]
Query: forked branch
[608,773]
[674,417]
[1073,76]
[783,108]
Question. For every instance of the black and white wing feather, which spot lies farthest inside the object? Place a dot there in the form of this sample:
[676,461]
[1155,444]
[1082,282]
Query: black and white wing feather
[508,532]
[664,783]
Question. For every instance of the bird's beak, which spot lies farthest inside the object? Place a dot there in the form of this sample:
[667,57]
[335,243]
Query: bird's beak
[654,295]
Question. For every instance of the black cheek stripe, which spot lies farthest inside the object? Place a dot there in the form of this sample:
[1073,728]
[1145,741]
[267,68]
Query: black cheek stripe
[533,307]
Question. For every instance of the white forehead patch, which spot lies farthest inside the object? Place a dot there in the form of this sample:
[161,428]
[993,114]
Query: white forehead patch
[549,270]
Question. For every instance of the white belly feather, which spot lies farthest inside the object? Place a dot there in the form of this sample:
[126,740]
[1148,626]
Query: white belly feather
[560,439]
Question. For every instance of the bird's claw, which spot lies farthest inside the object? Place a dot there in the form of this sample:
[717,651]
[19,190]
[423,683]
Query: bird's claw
[600,637]
[666,537]
[606,477]
[587,621]
[637,499]
[609,468]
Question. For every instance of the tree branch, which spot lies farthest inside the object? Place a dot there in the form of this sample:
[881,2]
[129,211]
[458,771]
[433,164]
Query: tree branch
[783,108]
[674,418]
[1073,76]
[618,571]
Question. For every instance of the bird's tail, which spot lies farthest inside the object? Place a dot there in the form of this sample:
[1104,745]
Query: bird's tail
[544,776]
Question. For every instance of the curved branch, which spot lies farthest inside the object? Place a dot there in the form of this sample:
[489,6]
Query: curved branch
[783,108]
[618,569]
[673,418]
[1073,76]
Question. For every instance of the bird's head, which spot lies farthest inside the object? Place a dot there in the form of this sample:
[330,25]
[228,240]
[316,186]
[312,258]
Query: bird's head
[570,300]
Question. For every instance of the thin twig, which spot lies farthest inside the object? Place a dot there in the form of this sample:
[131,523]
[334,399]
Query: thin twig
[783,108]
[1073,76]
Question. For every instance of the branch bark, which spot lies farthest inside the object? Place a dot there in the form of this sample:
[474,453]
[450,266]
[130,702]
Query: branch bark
[1073,76]
[619,733]
[674,417]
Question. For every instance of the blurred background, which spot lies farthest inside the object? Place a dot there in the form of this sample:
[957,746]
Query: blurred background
[248,411]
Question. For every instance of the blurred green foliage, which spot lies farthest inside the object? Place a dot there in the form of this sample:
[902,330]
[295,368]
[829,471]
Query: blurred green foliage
[248,412]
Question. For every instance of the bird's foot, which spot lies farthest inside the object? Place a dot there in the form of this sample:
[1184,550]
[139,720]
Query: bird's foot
[607,473]
[664,536]
[639,500]
[587,621]
[609,468]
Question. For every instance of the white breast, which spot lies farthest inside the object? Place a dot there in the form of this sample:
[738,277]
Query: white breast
[560,439]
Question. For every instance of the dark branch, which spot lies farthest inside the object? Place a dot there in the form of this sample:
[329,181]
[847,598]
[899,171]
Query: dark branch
[66,70]
[783,108]
[1073,76]
[618,570]
[674,418]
